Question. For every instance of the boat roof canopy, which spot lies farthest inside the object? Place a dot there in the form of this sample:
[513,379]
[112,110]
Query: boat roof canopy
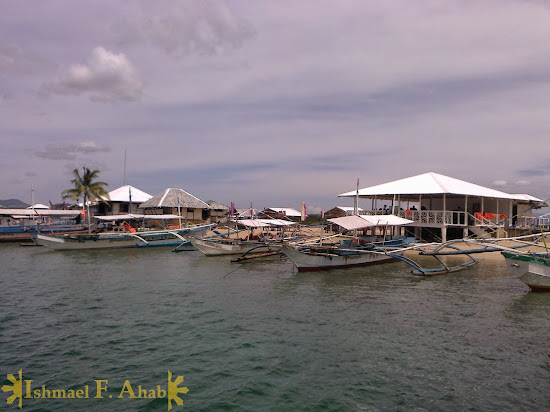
[363,221]
[132,216]
[38,212]
[264,222]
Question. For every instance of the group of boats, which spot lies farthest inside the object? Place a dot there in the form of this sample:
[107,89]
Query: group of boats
[527,257]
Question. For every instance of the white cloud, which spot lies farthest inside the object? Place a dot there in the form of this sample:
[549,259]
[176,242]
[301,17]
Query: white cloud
[108,77]
[500,183]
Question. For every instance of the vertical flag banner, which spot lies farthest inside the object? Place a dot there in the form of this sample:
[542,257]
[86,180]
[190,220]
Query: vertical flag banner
[303,209]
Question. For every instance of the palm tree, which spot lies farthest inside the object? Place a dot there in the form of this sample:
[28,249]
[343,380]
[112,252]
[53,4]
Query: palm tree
[85,187]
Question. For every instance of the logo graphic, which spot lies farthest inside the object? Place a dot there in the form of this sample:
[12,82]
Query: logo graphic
[25,389]
[16,388]
[174,391]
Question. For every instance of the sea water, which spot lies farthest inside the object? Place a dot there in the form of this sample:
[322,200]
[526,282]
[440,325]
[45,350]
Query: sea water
[259,336]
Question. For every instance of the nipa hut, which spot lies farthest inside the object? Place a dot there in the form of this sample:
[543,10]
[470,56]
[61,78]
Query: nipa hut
[177,202]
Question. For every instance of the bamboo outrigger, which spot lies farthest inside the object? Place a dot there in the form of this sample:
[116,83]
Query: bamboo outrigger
[470,247]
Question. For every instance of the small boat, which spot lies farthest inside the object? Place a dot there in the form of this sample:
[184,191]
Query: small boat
[112,240]
[532,269]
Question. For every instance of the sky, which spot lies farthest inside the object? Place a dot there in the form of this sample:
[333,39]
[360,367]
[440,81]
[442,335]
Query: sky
[273,103]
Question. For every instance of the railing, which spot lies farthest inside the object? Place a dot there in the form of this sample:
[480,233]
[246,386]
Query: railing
[532,222]
[448,217]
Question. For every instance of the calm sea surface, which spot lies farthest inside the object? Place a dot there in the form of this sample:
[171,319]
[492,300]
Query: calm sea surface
[259,336]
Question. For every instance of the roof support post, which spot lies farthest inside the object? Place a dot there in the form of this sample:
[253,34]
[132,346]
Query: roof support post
[466,211]
[444,211]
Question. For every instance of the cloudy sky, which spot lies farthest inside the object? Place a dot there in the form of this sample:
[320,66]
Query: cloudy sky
[274,102]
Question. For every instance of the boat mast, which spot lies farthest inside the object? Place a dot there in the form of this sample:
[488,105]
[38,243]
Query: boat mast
[124,183]
[356,206]
[130,198]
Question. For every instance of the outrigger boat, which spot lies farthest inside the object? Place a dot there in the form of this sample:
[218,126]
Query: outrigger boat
[324,253]
[221,244]
[21,224]
[127,239]
[532,269]
[468,247]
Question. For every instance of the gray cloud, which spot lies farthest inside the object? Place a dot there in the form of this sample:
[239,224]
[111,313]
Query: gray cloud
[107,76]
[207,27]
[70,151]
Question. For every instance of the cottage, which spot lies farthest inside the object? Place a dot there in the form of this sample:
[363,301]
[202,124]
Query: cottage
[443,207]
[125,199]
[341,211]
[177,202]
[218,211]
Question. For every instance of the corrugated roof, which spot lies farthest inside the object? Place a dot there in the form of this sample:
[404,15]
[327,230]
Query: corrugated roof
[429,184]
[175,198]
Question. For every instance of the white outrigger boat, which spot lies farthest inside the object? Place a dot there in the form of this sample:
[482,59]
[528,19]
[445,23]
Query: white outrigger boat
[532,269]
[219,245]
[319,254]
[127,239]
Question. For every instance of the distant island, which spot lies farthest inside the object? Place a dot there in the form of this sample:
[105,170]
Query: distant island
[13,204]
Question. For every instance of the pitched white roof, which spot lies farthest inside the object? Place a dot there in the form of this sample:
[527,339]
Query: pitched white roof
[38,206]
[122,194]
[174,198]
[361,221]
[529,198]
[287,211]
[429,184]
[348,208]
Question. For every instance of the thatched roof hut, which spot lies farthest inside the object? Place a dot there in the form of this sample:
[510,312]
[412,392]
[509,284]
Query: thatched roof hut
[174,198]
[177,201]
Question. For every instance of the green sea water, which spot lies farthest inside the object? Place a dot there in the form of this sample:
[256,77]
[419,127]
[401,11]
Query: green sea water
[259,336]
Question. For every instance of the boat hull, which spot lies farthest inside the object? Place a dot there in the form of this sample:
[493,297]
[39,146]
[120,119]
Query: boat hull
[22,233]
[534,271]
[305,262]
[109,241]
[212,248]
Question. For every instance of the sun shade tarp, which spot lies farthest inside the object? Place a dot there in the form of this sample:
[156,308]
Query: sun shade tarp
[363,221]
[263,222]
[132,216]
